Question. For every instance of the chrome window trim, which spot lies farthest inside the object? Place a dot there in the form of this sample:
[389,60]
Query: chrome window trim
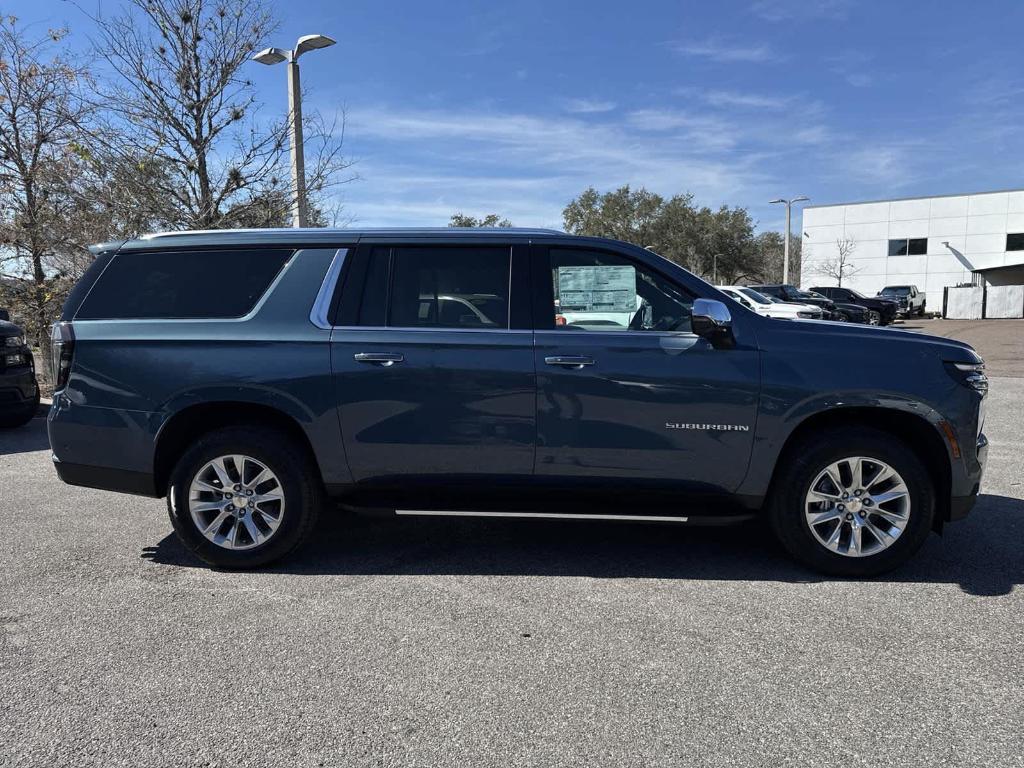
[428,329]
[624,331]
[319,315]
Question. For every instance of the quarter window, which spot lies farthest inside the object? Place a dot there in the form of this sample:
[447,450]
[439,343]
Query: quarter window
[210,284]
[449,287]
[596,291]
[913,246]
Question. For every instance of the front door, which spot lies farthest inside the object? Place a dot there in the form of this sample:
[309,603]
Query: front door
[433,385]
[624,389]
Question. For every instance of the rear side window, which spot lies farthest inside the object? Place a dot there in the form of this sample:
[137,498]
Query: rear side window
[449,287]
[182,284]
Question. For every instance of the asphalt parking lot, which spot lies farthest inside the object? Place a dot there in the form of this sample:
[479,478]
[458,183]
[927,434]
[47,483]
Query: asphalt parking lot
[478,642]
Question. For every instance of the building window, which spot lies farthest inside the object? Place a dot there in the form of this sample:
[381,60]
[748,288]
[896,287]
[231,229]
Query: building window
[914,246]
[1015,242]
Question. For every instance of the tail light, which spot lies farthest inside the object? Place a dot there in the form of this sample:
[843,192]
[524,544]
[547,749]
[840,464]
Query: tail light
[62,349]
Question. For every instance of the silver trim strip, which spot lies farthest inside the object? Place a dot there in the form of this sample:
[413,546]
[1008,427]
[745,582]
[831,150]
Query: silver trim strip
[318,315]
[624,331]
[543,515]
[430,329]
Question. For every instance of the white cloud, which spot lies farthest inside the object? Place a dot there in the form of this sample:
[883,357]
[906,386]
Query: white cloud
[786,10]
[720,51]
[420,166]
[744,100]
[589,106]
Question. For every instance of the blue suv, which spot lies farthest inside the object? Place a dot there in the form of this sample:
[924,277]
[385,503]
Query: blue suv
[250,375]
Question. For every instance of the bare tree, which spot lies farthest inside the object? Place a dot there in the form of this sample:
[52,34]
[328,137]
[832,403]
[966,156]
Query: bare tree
[182,104]
[841,265]
[42,119]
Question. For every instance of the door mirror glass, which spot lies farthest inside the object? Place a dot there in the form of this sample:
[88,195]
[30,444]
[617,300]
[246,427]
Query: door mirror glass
[712,320]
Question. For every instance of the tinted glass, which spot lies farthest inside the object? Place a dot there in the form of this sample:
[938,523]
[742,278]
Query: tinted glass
[449,287]
[896,290]
[760,298]
[373,303]
[897,247]
[595,291]
[1015,242]
[917,246]
[182,284]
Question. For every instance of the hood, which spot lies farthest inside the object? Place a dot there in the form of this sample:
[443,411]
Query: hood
[948,349]
[10,329]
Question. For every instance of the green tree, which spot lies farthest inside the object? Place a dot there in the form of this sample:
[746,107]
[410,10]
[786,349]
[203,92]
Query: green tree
[695,238]
[490,220]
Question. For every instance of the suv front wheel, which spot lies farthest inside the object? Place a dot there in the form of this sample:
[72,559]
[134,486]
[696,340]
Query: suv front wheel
[853,502]
[242,497]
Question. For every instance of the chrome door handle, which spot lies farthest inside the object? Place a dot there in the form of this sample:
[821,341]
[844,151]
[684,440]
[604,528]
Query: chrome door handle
[569,361]
[384,359]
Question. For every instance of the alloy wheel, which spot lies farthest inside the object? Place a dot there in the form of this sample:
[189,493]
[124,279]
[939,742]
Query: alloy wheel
[857,506]
[236,501]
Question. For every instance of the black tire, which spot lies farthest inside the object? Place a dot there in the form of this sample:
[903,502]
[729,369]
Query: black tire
[20,418]
[793,481]
[300,482]
[841,317]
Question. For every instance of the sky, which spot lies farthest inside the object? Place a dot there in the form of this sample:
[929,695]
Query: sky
[516,107]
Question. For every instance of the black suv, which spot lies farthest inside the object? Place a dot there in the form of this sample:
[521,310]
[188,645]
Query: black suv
[884,309]
[247,375]
[19,393]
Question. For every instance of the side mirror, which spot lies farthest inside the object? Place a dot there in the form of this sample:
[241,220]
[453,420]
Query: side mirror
[5,315]
[712,321]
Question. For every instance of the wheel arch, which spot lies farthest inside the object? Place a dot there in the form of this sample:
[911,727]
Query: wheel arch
[915,431]
[191,422]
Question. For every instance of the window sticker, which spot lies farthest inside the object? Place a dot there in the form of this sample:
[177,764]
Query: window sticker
[597,289]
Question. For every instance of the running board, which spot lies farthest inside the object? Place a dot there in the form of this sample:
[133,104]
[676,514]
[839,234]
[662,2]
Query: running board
[547,515]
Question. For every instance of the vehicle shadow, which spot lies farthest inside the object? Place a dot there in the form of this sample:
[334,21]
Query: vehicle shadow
[980,554]
[26,439]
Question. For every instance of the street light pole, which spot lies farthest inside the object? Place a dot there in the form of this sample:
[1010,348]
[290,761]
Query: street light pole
[298,157]
[785,254]
[270,56]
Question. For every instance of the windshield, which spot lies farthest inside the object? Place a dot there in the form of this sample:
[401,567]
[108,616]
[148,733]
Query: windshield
[896,290]
[753,295]
[856,294]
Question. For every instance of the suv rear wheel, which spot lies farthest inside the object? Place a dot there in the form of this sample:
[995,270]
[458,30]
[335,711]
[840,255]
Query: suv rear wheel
[242,497]
[853,502]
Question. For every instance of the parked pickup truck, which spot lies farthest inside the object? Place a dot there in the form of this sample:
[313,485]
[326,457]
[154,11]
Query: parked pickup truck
[884,309]
[910,300]
[19,393]
[248,375]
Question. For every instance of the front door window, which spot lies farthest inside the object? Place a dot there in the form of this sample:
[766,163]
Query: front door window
[597,291]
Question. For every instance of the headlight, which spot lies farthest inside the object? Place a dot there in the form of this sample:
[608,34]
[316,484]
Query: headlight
[970,375]
[12,360]
[808,315]
[14,341]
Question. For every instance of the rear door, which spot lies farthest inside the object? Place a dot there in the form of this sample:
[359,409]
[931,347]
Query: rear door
[433,366]
[625,390]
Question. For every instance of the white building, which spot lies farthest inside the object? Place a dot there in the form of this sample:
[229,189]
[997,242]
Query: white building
[930,242]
